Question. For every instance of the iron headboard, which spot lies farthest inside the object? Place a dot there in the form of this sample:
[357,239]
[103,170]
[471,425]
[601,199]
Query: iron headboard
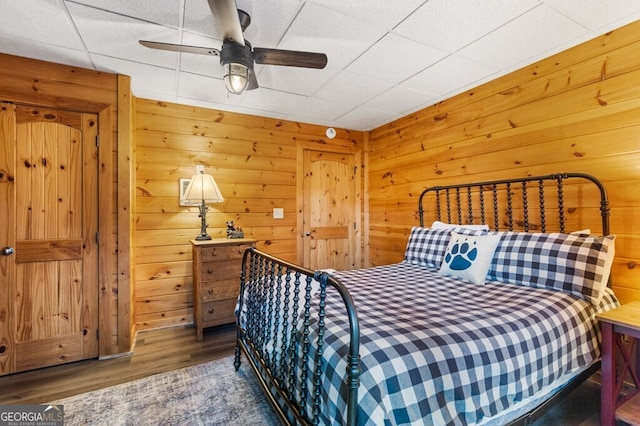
[477,201]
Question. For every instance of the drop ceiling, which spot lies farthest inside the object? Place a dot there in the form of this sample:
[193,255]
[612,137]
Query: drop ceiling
[386,59]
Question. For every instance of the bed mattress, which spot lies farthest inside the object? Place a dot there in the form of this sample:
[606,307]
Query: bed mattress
[437,350]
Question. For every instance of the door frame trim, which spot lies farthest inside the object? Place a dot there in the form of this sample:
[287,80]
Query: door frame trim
[46,84]
[301,147]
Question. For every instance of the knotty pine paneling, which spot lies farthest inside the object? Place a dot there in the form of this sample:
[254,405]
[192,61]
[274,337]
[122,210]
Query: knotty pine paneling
[577,111]
[254,162]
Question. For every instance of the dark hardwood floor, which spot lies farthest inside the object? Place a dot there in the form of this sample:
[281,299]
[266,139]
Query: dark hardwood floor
[154,352]
[162,350]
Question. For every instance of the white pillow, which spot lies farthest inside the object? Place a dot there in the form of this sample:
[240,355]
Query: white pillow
[468,257]
[609,242]
[586,231]
[441,225]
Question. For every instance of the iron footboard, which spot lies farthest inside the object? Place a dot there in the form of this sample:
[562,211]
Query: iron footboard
[281,319]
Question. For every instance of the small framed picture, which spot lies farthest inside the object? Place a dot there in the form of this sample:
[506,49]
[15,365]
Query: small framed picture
[184,183]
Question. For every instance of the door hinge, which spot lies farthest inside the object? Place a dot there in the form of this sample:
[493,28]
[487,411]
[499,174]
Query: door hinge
[97,238]
[97,334]
[355,226]
[98,140]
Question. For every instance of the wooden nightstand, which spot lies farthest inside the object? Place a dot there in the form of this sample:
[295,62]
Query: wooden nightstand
[216,280]
[624,320]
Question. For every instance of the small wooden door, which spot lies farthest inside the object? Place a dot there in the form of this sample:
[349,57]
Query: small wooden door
[331,209]
[49,181]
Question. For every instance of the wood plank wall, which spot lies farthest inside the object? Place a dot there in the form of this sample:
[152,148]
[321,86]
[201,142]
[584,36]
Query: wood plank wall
[578,111]
[253,160]
[33,82]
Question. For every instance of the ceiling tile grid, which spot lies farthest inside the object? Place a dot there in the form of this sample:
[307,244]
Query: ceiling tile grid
[385,59]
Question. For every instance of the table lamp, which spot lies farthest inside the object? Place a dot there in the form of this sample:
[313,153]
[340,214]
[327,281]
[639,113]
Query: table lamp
[204,190]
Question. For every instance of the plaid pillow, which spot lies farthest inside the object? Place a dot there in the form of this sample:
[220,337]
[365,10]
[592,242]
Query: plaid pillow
[575,264]
[426,246]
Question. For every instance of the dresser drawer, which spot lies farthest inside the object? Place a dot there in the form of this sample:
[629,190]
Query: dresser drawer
[224,270]
[224,289]
[214,253]
[218,312]
[236,252]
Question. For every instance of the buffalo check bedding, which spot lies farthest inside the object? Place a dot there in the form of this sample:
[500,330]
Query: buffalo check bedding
[439,350]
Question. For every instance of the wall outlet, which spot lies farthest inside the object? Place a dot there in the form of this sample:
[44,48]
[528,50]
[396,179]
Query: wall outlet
[278,213]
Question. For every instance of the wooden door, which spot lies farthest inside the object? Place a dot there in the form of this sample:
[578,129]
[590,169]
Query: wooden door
[331,210]
[48,161]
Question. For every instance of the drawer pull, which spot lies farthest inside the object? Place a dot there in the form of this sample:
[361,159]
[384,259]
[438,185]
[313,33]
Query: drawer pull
[209,271]
[210,291]
[210,310]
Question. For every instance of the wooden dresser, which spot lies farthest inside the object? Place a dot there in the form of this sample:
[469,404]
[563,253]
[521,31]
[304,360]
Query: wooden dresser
[216,280]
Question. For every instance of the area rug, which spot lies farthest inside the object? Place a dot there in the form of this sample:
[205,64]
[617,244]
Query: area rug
[212,393]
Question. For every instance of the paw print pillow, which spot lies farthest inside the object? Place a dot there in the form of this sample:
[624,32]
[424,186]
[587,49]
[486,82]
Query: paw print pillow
[468,257]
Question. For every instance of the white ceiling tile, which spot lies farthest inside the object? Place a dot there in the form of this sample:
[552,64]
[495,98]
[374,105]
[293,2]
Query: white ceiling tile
[363,118]
[383,13]
[114,35]
[39,20]
[342,38]
[265,99]
[532,34]
[44,52]
[352,89]
[596,14]
[150,78]
[165,12]
[452,24]
[302,81]
[394,59]
[399,99]
[449,75]
[321,109]
[198,18]
[198,87]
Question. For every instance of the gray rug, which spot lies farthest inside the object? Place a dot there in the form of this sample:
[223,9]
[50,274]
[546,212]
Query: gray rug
[212,393]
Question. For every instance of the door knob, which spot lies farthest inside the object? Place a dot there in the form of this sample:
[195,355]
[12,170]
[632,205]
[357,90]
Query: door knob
[7,251]
[308,234]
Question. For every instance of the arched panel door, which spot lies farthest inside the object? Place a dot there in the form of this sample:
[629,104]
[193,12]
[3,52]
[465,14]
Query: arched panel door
[49,269]
[331,210]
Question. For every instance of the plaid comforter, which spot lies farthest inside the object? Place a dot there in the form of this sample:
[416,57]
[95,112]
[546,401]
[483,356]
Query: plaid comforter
[436,350]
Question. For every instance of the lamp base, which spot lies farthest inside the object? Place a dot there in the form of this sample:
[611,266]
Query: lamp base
[203,222]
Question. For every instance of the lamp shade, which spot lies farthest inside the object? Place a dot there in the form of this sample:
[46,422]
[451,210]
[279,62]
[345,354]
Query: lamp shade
[203,189]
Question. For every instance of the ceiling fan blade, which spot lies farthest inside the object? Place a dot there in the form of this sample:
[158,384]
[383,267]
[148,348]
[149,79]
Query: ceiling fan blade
[289,58]
[180,48]
[226,16]
[253,81]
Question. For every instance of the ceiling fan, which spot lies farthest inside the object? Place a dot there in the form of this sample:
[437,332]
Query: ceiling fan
[237,56]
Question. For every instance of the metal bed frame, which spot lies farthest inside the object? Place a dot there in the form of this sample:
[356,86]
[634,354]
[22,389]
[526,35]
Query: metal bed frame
[453,195]
[275,359]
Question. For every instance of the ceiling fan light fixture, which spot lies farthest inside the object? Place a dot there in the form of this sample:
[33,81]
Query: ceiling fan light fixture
[236,77]
[237,56]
